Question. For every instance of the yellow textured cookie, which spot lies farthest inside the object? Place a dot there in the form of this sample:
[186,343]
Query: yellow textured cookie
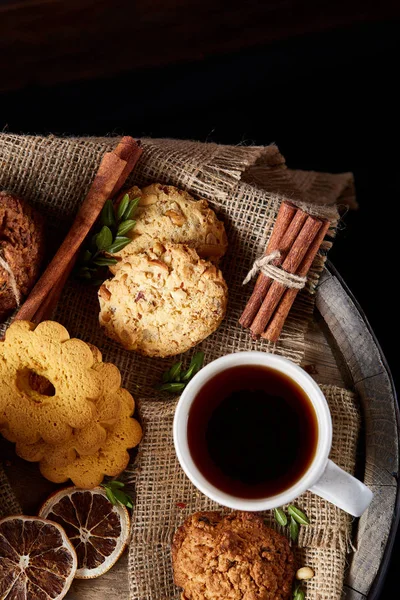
[111,459]
[171,215]
[45,351]
[163,301]
[87,441]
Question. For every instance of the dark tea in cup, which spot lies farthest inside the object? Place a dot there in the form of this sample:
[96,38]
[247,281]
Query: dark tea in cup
[252,431]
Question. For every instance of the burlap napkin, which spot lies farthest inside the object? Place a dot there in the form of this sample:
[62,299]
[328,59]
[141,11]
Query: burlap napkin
[245,185]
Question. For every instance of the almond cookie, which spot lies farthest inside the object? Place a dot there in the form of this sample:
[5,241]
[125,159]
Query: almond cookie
[111,459]
[45,351]
[163,301]
[21,250]
[231,558]
[170,215]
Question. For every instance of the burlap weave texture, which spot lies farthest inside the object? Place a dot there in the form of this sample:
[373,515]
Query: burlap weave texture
[245,185]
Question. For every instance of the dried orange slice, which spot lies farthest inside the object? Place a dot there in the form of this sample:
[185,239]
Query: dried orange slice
[37,560]
[98,529]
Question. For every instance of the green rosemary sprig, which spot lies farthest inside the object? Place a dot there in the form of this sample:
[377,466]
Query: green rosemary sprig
[115,494]
[113,225]
[174,380]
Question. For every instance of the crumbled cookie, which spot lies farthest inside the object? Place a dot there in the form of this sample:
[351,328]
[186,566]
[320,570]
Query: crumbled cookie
[111,459]
[21,248]
[163,301]
[26,415]
[171,215]
[235,557]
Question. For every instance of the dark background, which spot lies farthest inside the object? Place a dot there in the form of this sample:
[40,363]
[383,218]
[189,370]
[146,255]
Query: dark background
[320,79]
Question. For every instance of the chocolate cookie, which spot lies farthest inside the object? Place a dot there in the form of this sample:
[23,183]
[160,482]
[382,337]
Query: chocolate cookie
[235,557]
[21,250]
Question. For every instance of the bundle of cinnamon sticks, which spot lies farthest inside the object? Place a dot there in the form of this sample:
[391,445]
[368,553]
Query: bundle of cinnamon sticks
[113,171]
[297,236]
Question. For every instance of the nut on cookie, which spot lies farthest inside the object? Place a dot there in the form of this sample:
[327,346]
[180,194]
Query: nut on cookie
[171,215]
[163,301]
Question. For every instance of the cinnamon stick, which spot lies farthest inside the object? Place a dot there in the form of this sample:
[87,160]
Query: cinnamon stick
[128,150]
[290,264]
[110,170]
[275,325]
[287,226]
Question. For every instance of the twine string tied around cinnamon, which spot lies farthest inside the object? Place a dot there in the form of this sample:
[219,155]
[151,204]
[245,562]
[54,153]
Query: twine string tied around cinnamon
[264,264]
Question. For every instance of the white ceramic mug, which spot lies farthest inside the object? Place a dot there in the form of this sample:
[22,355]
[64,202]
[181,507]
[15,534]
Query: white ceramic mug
[323,477]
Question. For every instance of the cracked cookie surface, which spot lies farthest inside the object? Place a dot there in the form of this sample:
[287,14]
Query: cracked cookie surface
[231,557]
[163,301]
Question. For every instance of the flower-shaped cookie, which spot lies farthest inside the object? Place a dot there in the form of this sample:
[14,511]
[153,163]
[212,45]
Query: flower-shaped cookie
[47,353]
[87,441]
[111,459]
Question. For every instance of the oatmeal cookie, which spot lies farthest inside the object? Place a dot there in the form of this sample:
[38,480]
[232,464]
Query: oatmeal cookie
[171,215]
[163,301]
[234,557]
[21,249]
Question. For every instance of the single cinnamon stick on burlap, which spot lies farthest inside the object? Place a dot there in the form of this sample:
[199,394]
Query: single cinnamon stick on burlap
[288,223]
[110,170]
[128,150]
[290,265]
[274,328]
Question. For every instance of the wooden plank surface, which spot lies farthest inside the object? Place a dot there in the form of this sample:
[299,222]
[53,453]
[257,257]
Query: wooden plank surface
[371,380]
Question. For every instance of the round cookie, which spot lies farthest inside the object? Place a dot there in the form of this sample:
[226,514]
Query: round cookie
[231,557]
[21,249]
[163,301]
[168,214]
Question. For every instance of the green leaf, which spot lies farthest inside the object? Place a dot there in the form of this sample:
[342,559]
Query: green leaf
[104,238]
[110,495]
[294,529]
[131,209]
[298,593]
[165,376]
[87,255]
[175,371]
[195,366]
[97,282]
[84,273]
[118,244]
[171,387]
[125,226]
[107,215]
[115,484]
[123,498]
[280,517]
[298,515]
[123,205]
[105,261]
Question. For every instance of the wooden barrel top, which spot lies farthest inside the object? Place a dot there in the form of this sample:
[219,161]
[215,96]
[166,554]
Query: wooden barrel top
[342,348]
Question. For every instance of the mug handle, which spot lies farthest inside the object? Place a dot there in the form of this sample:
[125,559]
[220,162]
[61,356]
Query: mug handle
[343,490]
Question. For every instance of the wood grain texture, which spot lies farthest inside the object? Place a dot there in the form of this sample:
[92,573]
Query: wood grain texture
[51,41]
[372,382]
